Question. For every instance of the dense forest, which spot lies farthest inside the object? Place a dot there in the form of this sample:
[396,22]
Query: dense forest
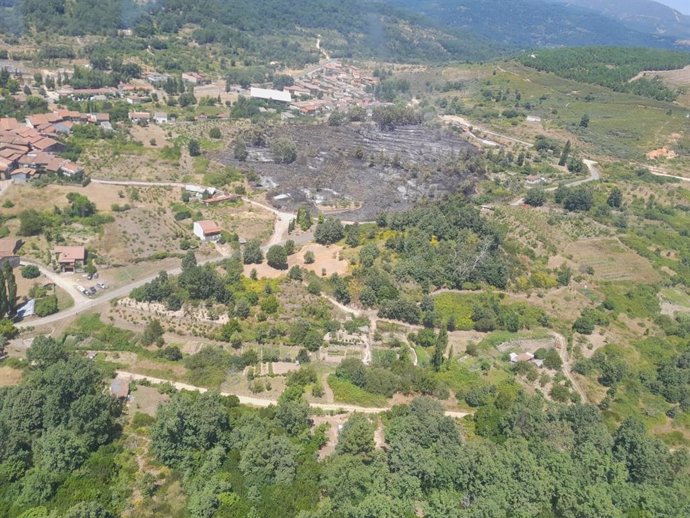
[612,67]
[62,455]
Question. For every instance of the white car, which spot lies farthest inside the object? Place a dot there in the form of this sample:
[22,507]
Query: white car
[81,289]
[101,285]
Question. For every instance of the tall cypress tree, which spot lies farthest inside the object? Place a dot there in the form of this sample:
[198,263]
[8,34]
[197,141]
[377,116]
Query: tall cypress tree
[564,155]
[439,349]
[3,295]
[11,283]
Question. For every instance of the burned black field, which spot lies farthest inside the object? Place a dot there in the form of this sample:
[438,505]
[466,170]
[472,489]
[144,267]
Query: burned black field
[358,170]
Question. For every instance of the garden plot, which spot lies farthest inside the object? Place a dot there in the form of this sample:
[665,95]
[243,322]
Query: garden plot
[358,171]
[612,261]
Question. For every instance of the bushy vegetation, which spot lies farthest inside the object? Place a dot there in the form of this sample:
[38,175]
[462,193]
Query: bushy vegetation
[612,67]
[58,429]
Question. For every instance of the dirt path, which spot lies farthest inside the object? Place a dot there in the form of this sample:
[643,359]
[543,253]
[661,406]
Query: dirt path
[327,390]
[567,366]
[262,403]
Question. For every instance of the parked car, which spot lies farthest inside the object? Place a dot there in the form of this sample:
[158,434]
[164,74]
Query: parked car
[81,289]
[101,285]
[91,291]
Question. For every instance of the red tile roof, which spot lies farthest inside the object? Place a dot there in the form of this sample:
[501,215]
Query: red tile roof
[70,254]
[209,227]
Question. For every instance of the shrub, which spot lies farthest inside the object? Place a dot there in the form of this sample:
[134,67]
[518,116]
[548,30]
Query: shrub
[46,306]
[30,271]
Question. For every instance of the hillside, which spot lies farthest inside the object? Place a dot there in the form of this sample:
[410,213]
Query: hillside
[534,23]
[273,29]
[641,15]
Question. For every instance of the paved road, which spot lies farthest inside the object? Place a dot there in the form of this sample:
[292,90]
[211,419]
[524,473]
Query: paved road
[262,403]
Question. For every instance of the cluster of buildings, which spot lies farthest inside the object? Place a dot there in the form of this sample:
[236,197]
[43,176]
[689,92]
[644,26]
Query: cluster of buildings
[331,86]
[30,148]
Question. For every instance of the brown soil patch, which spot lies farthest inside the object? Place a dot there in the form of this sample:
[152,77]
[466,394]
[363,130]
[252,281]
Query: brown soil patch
[327,263]
[145,134]
[664,152]
[9,376]
[146,400]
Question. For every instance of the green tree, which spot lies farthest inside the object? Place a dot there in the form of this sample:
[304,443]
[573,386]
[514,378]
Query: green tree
[564,155]
[194,148]
[440,349]
[189,423]
[277,257]
[215,133]
[45,351]
[309,257]
[329,232]
[31,223]
[356,437]
[252,252]
[4,303]
[153,332]
[584,121]
[292,411]
[188,261]
[304,219]
[11,284]
[535,197]
[30,271]
[59,451]
[615,199]
[269,460]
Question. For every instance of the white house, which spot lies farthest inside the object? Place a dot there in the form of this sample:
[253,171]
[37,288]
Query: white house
[160,118]
[207,230]
[270,95]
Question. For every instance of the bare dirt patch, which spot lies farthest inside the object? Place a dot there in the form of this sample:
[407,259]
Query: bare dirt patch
[612,261]
[9,376]
[146,400]
[664,152]
[327,262]
[152,136]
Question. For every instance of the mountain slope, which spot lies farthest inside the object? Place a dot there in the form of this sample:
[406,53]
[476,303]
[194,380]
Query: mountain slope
[533,23]
[641,15]
[353,28]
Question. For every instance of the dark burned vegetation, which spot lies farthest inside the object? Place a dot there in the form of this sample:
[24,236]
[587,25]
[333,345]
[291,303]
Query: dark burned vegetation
[358,170]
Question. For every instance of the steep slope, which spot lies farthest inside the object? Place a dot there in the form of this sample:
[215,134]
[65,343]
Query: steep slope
[642,15]
[533,23]
[355,28]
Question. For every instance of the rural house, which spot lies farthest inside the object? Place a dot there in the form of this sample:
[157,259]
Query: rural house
[70,258]
[207,230]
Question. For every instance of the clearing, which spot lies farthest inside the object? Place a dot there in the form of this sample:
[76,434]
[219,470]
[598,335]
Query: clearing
[328,260]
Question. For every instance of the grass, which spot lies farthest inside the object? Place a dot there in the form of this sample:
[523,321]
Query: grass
[346,392]
[458,305]
[635,300]
[675,296]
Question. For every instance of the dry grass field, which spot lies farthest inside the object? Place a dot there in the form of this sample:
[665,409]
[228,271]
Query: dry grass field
[327,259]
[612,261]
